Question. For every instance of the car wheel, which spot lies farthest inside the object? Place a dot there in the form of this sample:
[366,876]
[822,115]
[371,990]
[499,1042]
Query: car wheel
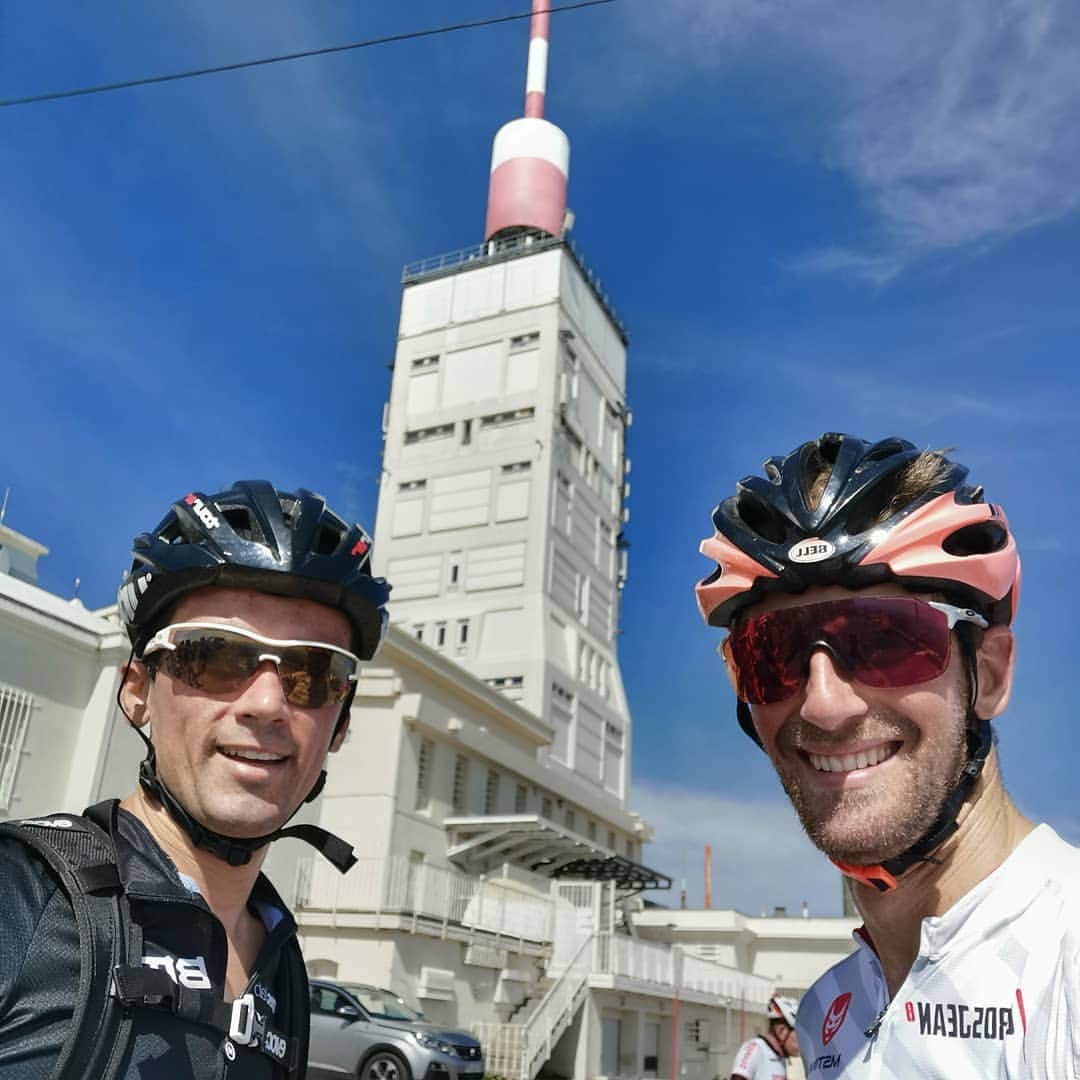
[384,1065]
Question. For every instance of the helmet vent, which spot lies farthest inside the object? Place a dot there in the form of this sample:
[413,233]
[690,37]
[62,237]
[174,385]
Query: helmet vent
[815,469]
[885,449]
[828,446]
[328,541]
[873,506]
[172,533]
[981,538]
[290,511]
[762,518]
[243,523]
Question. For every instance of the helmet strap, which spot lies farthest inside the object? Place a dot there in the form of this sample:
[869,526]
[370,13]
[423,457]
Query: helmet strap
[883,876]
[979,737]
[237,851]
[746,721]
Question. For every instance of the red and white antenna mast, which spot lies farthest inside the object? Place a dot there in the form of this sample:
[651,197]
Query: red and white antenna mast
[530,159]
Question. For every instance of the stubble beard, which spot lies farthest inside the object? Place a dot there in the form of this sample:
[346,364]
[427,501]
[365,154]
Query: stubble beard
[870,824]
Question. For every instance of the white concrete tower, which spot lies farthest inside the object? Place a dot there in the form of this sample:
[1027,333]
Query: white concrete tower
[501,509]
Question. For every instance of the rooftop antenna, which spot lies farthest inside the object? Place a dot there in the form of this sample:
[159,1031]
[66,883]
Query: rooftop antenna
[3,505]
[530,159]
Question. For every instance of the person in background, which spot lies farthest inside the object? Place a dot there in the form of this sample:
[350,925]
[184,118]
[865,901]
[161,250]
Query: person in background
[765,1057]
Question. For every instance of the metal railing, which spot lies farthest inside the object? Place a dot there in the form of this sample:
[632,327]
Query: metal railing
[518,1051]
[663,966]
[16,707]
[396,886]
[494,251]
[704,976]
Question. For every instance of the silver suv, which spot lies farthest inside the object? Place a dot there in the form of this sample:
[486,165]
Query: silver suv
[369,1033]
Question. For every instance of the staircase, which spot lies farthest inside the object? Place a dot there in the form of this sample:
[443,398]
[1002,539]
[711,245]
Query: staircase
[518,1050]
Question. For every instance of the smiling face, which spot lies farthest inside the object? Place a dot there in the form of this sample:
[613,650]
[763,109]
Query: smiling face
[867,769]
[242,762]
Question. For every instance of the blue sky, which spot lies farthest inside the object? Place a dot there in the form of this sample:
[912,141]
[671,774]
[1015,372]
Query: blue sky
[822,216]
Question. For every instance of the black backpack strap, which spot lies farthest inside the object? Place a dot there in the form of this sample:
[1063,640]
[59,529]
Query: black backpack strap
[245,1020]
[296,993]
[82,855]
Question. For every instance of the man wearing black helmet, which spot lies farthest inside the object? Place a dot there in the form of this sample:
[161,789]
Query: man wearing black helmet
[249,613]
[868,592]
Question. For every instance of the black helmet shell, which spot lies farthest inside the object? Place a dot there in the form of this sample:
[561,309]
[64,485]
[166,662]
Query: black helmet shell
[255,537]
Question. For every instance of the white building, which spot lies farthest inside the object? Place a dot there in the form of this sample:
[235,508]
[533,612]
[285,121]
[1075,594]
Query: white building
[58,682]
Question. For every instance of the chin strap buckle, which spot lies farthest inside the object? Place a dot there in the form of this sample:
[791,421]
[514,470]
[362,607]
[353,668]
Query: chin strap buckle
[877,876]
[242,1020]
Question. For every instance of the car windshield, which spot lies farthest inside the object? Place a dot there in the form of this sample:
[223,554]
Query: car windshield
[382,1003]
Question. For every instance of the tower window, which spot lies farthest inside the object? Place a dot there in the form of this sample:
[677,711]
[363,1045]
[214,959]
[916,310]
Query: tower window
[439,431]
[423,773]
[510,417]
[460,791]
[491,793]
[525,341]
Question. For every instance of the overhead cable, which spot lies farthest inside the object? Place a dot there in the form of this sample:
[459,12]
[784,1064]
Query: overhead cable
[390,39]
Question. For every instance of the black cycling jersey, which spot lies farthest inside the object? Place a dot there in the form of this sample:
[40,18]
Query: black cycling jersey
[39,967]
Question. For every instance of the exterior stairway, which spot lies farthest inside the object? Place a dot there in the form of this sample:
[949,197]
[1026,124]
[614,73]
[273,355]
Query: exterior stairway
[518,1050]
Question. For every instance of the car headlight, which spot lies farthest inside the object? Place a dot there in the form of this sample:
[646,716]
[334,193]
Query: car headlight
[433,1042]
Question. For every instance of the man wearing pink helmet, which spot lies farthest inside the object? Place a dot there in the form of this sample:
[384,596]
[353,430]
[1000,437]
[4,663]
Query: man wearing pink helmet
[868,591]
[765,1057]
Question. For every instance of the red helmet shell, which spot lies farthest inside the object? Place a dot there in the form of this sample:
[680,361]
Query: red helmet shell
[916,549]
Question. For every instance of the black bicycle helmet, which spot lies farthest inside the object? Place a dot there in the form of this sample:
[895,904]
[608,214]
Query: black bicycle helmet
[253,536]
[256,537]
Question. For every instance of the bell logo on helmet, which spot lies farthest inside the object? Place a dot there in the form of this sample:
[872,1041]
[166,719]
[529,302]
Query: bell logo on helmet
[202,511]
[359,548]
[811,550]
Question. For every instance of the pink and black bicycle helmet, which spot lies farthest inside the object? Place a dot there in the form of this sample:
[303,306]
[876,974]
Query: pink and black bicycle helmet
[780,533]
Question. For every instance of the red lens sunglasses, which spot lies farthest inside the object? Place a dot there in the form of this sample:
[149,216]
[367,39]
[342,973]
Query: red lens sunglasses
[881,641]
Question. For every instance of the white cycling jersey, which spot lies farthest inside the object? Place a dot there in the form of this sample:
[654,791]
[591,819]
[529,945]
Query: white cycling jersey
[757,1060]
[994,992]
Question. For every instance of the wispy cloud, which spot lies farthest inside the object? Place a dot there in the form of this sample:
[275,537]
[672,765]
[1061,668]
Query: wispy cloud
[321,122]
[877,269]
[957,121]
[760,857]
